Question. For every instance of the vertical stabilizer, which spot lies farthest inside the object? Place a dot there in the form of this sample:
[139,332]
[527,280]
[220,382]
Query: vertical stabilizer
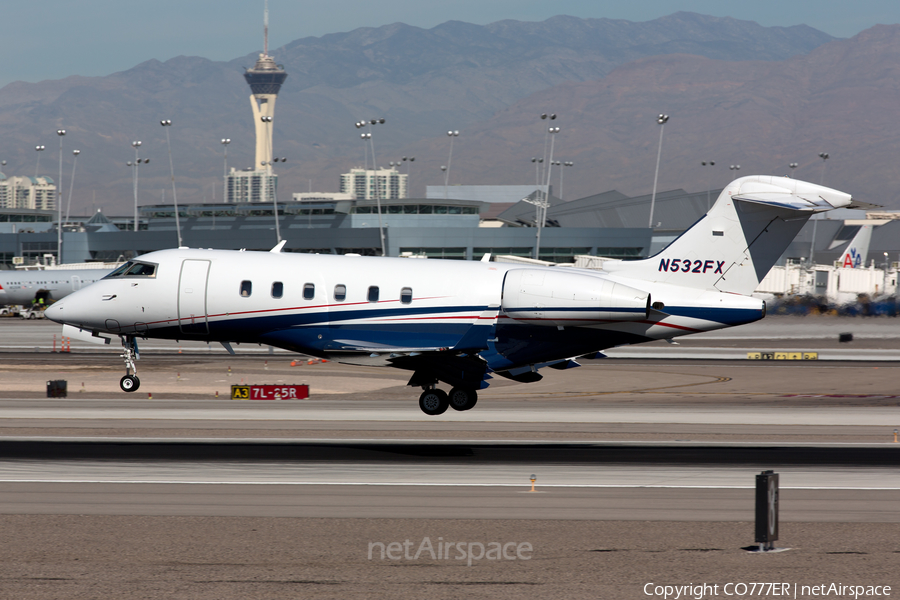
[857,251]
[733,246]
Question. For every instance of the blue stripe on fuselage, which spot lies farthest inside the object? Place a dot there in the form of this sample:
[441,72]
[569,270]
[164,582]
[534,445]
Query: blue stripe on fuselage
[725,316]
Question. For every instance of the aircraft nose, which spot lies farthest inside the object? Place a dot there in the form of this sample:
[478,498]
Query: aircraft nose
[55,312]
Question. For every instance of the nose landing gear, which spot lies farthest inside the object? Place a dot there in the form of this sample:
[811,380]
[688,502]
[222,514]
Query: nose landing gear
[130,382]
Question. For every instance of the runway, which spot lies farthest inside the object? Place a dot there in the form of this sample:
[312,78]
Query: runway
[413,479]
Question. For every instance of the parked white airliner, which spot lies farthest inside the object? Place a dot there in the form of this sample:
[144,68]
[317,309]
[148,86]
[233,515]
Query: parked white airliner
[25,287]
[454,322]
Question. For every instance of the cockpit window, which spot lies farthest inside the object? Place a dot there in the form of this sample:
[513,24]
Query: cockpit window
[134,269]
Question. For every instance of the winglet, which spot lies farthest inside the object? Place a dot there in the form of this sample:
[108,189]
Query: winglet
[277,249]
[486,257]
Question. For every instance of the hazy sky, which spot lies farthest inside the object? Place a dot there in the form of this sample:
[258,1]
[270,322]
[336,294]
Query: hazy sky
[51,39]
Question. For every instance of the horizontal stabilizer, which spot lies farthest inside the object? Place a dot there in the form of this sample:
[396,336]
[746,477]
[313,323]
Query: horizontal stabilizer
[859,205]
[791,194]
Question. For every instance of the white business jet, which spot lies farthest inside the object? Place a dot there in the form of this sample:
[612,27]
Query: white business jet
[454,322]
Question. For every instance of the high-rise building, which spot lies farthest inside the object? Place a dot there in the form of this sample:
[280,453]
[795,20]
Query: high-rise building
[250,186]
[264,79]
[27,192]
[369,184]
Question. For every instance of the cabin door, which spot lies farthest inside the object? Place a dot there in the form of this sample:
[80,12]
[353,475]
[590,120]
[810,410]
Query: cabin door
[192,297]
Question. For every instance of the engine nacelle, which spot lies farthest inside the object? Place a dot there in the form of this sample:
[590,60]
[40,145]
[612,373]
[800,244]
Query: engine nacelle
[560,298]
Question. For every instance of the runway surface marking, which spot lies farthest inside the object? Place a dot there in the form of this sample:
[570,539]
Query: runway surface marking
[593,413]
[713,379]
[402,484]
[436,474]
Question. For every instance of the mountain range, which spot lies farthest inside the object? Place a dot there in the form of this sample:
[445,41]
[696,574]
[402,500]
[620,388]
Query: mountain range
[736,92]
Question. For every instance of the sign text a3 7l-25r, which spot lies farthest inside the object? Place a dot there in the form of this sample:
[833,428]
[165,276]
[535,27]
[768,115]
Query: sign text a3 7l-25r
[269,392]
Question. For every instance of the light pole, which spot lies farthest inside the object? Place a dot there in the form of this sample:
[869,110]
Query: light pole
[37,167]
[75,154]
[562,170]
[60,133]
[792,166]
[538,162]
[542,207]
[734,168]
[824,156]
[225,142]
[544,117]
[134,179]
[410,160]
[812,246]
[662,120]
[268,166]
[368,136]
[710,163]
[166,123]
[365,145]
[452,135]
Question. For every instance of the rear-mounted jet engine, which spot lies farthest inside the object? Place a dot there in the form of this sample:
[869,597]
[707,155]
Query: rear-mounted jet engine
[561,299]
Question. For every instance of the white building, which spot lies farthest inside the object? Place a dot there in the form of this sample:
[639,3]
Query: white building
[250,186]
[36,193]
[369,184]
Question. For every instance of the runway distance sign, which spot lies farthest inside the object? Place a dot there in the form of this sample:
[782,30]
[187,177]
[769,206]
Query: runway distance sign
[269,392]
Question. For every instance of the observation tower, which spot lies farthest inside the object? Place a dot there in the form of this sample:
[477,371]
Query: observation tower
[264,79]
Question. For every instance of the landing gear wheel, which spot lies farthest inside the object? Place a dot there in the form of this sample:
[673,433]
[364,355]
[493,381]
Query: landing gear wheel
[462,398]
[433,402]
[129,383]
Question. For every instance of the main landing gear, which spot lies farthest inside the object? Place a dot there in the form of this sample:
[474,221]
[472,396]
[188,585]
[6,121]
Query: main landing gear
[434,402]
[130,382]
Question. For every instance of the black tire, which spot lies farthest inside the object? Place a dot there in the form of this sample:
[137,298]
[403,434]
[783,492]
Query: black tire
[462,398]
[129,383]
[433,402]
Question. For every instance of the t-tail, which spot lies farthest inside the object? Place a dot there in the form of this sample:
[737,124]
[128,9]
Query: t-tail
[854,256]
[733,246]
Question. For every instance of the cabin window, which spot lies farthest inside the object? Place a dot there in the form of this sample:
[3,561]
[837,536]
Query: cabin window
[309,291]
[246,289]
[373,293]
[406,295]
[340,292]
[277,289]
